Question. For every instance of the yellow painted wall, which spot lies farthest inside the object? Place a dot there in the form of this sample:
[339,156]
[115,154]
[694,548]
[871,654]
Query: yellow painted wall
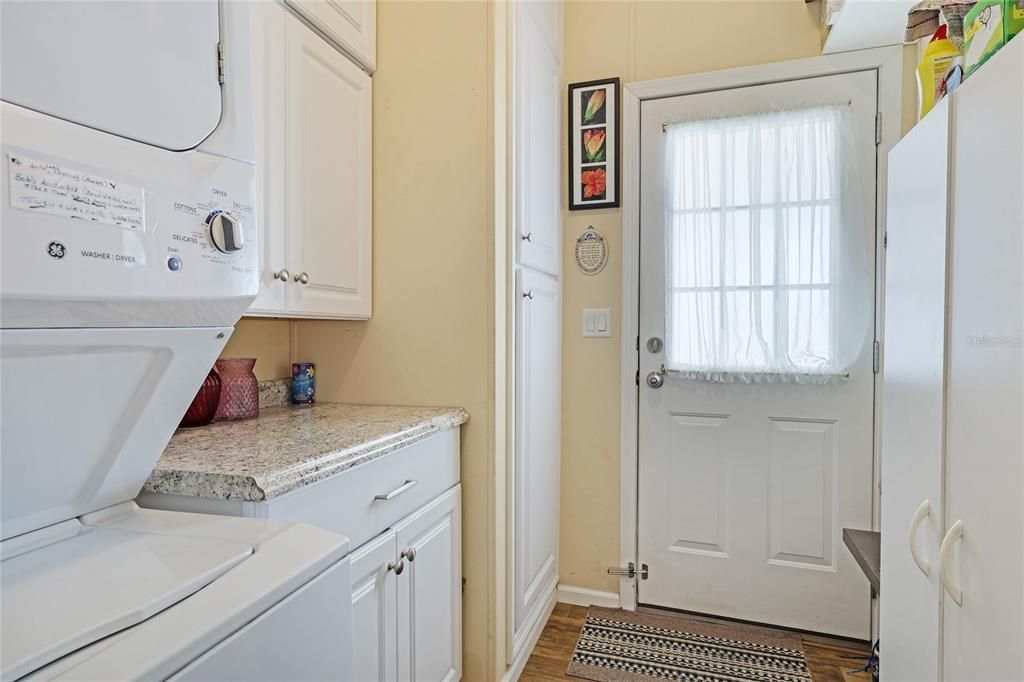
[430,341]
[636,41]
[267,340]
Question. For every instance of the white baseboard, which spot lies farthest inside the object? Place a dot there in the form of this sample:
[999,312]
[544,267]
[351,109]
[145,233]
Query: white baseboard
[515,668]
[583,596]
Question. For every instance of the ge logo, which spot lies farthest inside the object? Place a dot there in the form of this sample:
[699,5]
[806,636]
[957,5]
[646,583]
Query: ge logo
[55,250]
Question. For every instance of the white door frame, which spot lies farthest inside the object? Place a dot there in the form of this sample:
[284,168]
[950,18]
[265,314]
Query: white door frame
[888,62]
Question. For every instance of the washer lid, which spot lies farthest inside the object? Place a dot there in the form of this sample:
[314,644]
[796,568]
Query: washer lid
[94,581]
[147,71]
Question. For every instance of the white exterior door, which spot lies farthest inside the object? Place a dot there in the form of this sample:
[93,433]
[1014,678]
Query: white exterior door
[914,399]
[374,610]
[430,592]
[328,151]
[749,468]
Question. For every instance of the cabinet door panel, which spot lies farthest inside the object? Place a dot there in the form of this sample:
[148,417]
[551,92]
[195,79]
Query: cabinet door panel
[914,396]
[350,23]
[985,390]
[538,107]
[430,592]
[535,471]
[268,47]
[328,138]
[374,611]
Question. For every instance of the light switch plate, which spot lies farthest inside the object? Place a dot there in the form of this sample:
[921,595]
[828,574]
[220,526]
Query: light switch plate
[597,322]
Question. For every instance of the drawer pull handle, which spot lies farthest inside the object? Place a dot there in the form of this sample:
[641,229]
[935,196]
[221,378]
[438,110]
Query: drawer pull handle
[397,568]
[409,554]
[408,485]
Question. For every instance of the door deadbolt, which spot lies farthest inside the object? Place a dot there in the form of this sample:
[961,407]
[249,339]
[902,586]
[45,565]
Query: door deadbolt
[655,344]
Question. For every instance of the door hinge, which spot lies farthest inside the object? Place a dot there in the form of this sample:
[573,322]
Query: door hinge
[876,356]
[878,127]
[220,63]
[630,571]
[885,240]
[636,379]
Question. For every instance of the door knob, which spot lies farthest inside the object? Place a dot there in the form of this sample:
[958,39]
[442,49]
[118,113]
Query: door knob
[409,554]
[657,379]
[528,237]
[397,568]
[528,294]
[282,274]
[302,278]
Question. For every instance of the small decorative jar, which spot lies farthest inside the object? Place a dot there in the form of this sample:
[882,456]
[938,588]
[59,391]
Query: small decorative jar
[239,392]
[204,405]
[303,383]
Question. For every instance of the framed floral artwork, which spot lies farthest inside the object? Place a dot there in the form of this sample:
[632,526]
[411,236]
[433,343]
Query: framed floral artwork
[594,144]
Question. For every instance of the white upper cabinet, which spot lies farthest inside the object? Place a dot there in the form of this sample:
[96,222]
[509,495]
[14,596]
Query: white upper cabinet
[352,24]
[314,172]
[538,107]
[327,139]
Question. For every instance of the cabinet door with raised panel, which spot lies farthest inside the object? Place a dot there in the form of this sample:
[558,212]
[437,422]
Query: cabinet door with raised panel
[538,107]
[328,140]
[537,452]
[269,24]
[350,23]
[430,591]
[374,610]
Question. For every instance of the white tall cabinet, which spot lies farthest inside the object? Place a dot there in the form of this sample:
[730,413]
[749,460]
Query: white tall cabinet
[314,171]
[952,598]
[536,408]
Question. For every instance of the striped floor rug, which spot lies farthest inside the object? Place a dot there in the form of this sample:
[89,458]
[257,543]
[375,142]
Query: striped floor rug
[622,646]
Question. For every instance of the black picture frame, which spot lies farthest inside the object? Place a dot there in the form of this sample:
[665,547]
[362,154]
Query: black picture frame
[600,158]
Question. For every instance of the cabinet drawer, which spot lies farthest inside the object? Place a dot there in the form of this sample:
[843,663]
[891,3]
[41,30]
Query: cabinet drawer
[347,503]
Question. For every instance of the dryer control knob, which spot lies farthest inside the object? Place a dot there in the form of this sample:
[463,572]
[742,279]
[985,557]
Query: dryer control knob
[225,232]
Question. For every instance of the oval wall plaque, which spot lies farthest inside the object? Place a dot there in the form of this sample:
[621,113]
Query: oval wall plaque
[591,251]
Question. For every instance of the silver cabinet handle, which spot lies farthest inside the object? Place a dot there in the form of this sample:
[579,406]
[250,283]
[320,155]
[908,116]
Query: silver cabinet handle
[528,294]
[528,237]
[409,554]
[405,487]
[302,278]
[397,568]
[282,274]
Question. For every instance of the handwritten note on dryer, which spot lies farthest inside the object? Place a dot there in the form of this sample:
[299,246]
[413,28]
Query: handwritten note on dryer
[46,187]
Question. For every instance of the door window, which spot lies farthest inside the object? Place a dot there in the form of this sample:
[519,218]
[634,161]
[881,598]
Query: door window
[754,246]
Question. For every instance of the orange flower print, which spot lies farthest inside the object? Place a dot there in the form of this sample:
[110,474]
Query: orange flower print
[593,145]
[594,183]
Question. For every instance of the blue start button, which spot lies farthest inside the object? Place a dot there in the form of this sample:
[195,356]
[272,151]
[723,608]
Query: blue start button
[174,264]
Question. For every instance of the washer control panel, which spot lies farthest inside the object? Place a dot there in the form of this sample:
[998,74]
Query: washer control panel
[225,231]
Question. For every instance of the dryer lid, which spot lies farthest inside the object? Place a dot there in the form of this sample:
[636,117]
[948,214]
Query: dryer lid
[85,414]
[147,71]
[91,582]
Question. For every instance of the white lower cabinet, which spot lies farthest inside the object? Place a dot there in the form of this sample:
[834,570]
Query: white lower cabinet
[430,591]
[313,119]
[407,597]
[374,612]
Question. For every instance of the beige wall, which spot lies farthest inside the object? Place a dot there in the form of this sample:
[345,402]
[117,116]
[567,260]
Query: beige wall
[431,338]
[636,41]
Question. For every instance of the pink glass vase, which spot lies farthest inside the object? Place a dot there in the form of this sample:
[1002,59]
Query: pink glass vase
[204,405]
[239,390]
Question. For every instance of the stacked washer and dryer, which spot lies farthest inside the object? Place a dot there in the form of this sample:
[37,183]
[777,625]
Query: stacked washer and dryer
[127,248]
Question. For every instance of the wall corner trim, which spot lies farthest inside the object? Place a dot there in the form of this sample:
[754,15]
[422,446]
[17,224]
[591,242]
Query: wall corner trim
[583,596]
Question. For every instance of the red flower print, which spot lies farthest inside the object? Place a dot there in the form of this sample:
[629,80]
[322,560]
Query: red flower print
[594,182]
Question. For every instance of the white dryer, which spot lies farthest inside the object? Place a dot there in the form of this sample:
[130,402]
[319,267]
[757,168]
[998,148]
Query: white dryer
[127,254]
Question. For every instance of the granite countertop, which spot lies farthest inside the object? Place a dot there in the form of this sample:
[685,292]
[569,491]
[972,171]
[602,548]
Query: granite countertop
[289,447]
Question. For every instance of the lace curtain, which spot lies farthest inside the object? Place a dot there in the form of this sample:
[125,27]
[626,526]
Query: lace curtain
[765,271]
